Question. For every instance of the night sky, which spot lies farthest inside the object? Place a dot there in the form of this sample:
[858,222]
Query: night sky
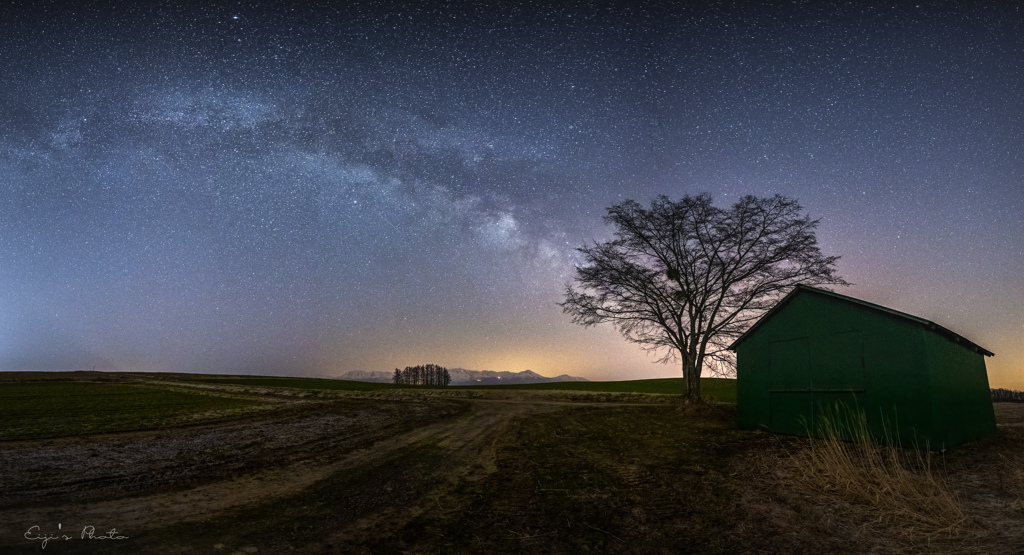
[313,189]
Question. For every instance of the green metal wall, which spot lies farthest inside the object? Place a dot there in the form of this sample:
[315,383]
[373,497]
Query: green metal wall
[913,385]
[962,405]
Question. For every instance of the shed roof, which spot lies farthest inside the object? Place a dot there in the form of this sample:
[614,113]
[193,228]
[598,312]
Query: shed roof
[957,338]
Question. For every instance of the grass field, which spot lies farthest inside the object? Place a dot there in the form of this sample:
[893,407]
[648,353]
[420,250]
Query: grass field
[720,389]
[300,383]
[49,405]
[48,409]
[497,469]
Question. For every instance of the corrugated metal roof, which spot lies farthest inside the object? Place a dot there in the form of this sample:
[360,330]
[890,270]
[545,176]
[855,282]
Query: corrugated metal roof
[921,321]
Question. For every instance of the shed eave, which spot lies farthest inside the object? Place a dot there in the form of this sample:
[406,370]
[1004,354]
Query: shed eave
[949,334]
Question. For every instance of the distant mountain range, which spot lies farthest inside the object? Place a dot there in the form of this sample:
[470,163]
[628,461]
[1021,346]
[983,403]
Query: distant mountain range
[461,376]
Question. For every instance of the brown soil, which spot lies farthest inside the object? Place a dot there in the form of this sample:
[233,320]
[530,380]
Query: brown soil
[147,480]
[338,474]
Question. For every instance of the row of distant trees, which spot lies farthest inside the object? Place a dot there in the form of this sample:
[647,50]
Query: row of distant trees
[1007,395]
[424,374]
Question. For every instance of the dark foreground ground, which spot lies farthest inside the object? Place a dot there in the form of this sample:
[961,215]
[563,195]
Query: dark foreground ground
[286,471]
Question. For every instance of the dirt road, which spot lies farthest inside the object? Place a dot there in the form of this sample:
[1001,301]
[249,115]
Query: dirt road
[509,473]
[140,482]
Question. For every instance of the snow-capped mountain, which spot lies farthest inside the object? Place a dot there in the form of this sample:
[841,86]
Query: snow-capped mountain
[461,376]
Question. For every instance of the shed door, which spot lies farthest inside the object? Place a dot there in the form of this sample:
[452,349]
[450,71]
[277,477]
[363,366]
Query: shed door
[838,383]
[820,377]
[790,395]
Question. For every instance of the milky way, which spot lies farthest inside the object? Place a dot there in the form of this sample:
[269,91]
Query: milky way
[315,189]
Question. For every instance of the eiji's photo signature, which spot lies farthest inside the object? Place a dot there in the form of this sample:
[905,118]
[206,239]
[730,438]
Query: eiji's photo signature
[35,533]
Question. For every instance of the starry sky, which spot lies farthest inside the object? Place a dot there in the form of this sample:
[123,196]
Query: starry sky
[314,188]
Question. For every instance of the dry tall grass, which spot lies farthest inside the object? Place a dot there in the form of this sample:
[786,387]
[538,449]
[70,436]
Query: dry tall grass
[900,485]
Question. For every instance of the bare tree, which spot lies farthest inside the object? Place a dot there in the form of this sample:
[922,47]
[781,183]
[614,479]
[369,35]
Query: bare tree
[689,277]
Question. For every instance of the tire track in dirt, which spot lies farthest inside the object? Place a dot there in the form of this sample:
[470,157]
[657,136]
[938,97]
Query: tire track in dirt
[464,437]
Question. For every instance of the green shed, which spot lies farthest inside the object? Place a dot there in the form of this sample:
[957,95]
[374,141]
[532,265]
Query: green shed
[816,350]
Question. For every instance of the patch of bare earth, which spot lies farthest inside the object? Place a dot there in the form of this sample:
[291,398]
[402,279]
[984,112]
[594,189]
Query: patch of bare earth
[429,474]
[140,482]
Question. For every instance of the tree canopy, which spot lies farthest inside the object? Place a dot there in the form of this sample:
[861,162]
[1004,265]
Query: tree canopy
[687,277]
[424,374]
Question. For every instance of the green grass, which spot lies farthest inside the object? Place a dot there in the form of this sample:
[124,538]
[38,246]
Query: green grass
[48,409]
[720,389]
[299,383]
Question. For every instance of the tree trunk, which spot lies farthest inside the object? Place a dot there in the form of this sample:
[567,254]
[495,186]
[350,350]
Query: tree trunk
[691,381]
[695,387]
